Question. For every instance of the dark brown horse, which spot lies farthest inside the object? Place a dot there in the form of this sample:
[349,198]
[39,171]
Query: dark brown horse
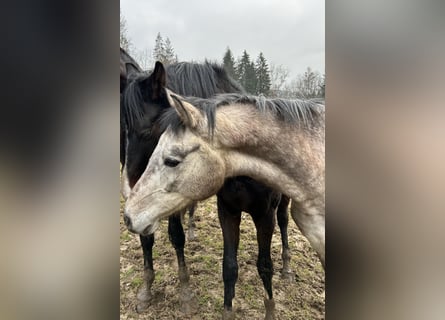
[129,69]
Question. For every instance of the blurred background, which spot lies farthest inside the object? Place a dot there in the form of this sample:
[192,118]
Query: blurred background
[59,161]
[385,155]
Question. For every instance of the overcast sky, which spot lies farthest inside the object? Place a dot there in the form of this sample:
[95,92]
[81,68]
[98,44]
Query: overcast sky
[288,32]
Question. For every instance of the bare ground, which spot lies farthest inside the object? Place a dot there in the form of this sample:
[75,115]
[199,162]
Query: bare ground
[303,298]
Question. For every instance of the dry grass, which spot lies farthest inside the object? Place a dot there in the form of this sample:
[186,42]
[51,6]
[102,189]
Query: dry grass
[302,299]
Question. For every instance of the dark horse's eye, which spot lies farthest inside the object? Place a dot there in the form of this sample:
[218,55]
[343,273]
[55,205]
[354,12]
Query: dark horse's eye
[169,162]
[146,133]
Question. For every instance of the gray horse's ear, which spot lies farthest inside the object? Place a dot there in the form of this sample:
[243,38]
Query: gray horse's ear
[188,113]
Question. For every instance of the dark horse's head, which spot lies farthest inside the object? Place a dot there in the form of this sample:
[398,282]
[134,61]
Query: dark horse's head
[145,100]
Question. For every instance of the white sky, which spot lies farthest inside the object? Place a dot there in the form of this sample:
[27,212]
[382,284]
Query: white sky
[288,32]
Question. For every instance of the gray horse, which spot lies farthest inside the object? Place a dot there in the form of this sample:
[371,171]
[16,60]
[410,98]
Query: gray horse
[275,141]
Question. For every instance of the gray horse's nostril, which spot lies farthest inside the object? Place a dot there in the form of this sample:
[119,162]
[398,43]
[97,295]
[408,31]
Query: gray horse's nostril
[127,221]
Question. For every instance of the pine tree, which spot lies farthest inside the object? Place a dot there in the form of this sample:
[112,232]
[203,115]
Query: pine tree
[263,82]
[229,63]
[170,56]
[159,49]
[245,72]
[238,69]
[241,68]
[163,51]
[251,79]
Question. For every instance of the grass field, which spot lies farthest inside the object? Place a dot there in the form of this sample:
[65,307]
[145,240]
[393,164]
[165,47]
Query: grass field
[303,298]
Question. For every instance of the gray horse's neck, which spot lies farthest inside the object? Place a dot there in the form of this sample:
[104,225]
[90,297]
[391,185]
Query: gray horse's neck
[283,155]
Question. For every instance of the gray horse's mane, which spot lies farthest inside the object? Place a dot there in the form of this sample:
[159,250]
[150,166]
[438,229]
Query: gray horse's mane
[306,113]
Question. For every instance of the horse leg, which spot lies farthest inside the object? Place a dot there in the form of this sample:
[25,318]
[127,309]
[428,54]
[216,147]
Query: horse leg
[177,238]
[191,224]
[230,224]
[283,220]
[265,223]
[144,294]
[310,219]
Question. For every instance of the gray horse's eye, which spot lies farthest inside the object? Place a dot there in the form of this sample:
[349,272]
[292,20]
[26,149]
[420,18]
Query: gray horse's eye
[170,162]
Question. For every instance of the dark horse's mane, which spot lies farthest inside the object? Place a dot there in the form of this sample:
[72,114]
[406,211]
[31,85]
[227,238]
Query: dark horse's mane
[128,68]
[185,78]
[200,80]
[307,113]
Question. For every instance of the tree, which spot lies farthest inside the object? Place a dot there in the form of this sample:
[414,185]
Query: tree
[159,49]
[170,56]
[309,84]
[163,50]
[241,68]
[322,92]
[125,42]
[245,72]
[144,58]
[251,80]
[229,63]
[290,90]
[262,75]
[278,78]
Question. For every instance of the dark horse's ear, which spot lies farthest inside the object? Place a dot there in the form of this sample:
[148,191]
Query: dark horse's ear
[158,80]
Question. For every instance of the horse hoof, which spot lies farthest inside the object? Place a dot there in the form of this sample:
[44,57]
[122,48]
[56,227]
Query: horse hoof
[228,315]
[142,306]
[270,309]
[287,275]
[189,308]
[191,235]
[269,316]
[144,295]
[189,303]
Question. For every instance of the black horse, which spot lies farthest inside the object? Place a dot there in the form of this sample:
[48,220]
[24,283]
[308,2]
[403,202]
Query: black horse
[144,104]
[129,69]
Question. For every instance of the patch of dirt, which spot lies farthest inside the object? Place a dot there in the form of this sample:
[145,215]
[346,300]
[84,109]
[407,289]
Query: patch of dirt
[303,298]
